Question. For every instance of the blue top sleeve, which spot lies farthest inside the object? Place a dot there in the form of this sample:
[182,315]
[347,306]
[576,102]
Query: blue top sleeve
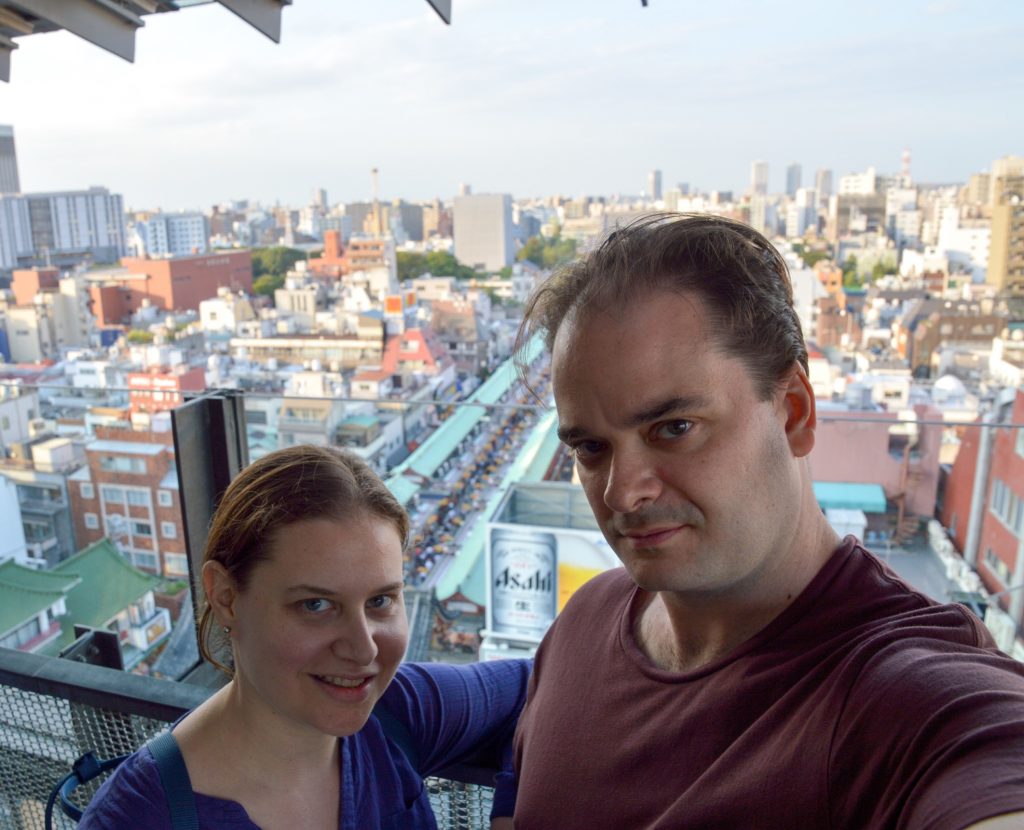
[453,712]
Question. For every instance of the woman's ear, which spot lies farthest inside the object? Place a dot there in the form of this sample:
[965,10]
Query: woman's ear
[221,592]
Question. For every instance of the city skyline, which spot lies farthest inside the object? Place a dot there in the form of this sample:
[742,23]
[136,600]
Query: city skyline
[514,97]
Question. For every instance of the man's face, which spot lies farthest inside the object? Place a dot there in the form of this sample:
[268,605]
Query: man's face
[689,473]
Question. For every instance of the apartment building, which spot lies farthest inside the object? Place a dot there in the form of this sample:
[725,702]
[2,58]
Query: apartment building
[128,492]
[983,507]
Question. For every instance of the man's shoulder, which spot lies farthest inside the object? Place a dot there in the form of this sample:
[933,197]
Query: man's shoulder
[615,583]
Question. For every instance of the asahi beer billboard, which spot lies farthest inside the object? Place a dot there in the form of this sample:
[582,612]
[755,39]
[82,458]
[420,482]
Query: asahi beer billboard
[533,570]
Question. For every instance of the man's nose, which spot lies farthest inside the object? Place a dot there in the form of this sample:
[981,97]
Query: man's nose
[632,481]
[354,641]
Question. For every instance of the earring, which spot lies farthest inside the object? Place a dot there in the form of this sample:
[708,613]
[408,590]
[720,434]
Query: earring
[227,629]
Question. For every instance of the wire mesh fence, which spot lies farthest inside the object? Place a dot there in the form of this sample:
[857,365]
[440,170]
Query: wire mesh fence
[41,736]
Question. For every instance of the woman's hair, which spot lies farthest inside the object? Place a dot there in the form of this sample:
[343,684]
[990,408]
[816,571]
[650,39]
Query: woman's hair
[287,486]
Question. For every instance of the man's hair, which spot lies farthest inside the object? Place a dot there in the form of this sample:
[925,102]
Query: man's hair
[738,275]
[284,487]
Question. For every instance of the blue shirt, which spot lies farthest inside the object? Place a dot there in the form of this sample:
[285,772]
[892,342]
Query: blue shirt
[440,714]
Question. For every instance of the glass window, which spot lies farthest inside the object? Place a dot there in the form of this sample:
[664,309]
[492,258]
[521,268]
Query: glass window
[168,530]
[164,498]
[142,529]
[114,495]
[92,521]
[144,560]
[87,490]
[175,564]
[138,497]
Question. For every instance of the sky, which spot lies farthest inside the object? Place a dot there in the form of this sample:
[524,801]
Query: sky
[529,97]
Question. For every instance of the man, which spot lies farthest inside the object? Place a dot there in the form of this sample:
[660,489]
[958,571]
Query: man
[747,668]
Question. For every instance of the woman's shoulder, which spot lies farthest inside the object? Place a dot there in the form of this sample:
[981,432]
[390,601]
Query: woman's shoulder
[132,797]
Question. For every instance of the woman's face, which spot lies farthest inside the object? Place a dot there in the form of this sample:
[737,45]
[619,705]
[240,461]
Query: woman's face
[320,629]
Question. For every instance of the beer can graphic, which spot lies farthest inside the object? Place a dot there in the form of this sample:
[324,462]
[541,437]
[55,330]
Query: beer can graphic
[523,592]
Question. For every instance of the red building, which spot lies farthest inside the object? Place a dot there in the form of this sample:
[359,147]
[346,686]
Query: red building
[128,492]
[174,284]
[360,255]
[157,391]
[989,531]
[26,283]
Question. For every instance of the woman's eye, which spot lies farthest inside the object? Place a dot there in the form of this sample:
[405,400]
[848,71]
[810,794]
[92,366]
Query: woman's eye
[316,605]
[672,429]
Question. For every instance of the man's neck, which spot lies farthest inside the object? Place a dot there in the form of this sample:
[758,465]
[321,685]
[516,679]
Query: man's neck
[682,633]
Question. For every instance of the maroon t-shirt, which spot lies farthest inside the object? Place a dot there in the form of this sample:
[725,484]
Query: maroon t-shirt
[863,705]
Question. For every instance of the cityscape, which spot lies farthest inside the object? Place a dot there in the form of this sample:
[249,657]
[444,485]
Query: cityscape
[388,325]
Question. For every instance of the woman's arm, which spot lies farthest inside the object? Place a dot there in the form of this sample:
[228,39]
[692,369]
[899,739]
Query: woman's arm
[451,713]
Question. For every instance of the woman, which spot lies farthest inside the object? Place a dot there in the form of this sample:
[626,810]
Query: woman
[302,576]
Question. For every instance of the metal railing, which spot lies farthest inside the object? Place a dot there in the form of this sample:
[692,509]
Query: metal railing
[54,710]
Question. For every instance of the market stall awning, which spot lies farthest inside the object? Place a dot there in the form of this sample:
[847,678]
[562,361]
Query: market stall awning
[846,495]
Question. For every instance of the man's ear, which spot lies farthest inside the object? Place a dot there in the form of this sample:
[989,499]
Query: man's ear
[221,592]
[800,412]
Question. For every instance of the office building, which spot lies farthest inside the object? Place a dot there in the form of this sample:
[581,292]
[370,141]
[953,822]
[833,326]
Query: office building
[759,178]
[654,185]
[9,182]
[1006,246]
[823,185]
[63,228]
[170,234]
[483,230]
[794,176]
[177,284]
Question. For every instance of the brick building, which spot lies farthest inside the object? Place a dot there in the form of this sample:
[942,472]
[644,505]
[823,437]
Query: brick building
[986,518]
[175,284]
[128,492]
[161,390]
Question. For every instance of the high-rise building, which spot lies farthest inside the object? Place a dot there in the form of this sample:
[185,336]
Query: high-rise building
[759,177]
[61,229]
[794,179]
[1006,249]
[483,230]
[8,161]
[823,184]
[654,185]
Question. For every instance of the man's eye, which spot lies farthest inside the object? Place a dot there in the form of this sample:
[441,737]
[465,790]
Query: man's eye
[585,449]
[381,602]
[672,429]
[316,605]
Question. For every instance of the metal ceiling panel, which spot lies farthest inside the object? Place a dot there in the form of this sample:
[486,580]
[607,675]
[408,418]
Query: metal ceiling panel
[263,15]
[443,9]
[100,22]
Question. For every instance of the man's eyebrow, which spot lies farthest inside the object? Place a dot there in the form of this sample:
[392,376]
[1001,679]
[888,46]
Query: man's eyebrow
[686,403]
[667,407]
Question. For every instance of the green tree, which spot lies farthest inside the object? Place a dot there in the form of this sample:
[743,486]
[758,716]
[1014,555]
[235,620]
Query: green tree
[810,258]
[277,261]
[548,252]
[443,264]
[139,336]
[851,279]
[410,264]
[267,284]
[878,271]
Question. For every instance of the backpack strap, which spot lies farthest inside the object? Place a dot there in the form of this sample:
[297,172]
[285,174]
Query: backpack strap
[394,729]
[181,800]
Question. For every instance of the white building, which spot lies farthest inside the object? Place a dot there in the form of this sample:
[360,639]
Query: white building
[482,226]
[963,245]
[224,312]
[759,177]
[858,184]
[12,544]
[171,234]
[64,227]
